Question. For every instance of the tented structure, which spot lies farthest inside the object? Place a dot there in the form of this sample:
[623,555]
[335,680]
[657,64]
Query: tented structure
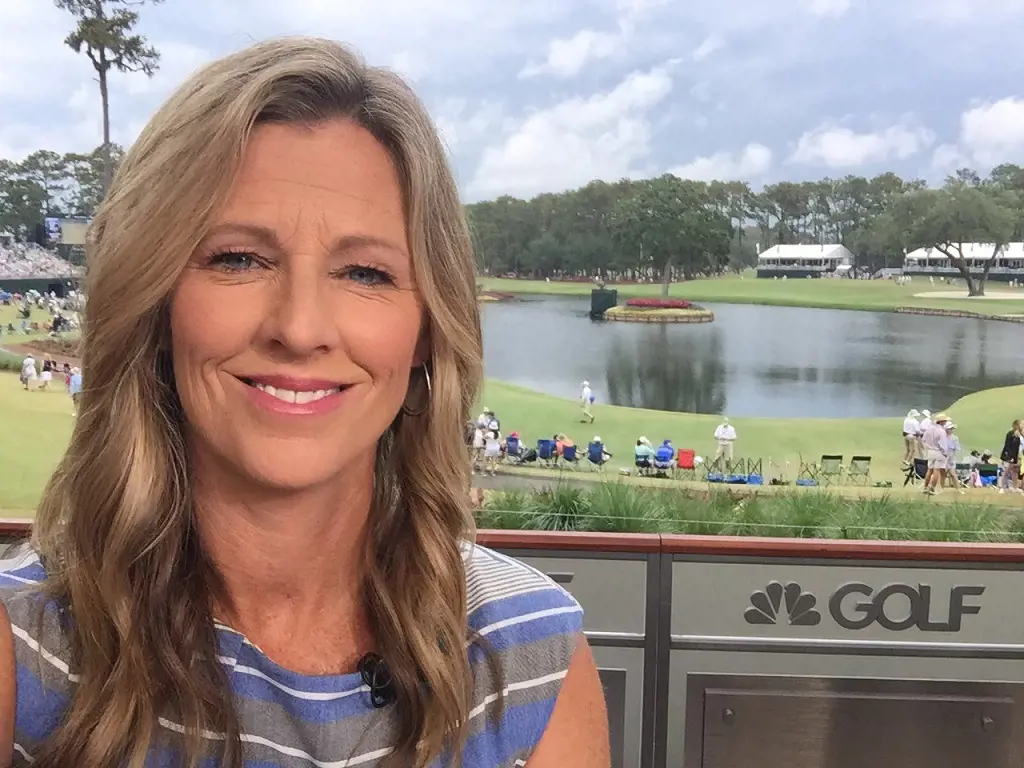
[822,260]
[1008,264]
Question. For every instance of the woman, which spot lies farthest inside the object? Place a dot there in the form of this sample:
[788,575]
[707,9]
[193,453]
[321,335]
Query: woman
[492,450]
[266,484]
[1010,457]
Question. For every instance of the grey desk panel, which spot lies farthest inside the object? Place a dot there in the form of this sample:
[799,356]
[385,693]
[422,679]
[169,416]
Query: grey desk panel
[613,592]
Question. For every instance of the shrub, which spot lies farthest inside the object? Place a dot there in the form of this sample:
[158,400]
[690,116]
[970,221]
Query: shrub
[650,303]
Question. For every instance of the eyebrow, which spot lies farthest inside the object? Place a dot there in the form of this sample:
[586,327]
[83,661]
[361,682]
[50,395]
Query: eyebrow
[268,237]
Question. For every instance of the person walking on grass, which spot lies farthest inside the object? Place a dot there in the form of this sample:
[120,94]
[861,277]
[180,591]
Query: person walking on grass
[586,400]
[1010,457]
[936,447]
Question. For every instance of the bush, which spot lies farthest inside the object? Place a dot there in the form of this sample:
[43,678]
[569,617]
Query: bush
[626,508]
[10,362]
[659,303]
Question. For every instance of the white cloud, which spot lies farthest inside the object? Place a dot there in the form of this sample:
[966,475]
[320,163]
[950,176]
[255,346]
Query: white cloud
[752,161]
[577,140]
[409,65]
[708,46]
[568,57]
[459,125]
[993,132]
[835,146]
[948,157]
[829,7]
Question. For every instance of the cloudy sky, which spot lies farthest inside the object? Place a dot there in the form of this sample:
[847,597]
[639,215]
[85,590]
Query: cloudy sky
[544,95]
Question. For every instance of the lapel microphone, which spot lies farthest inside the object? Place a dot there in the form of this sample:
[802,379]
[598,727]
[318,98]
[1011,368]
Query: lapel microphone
[376,675]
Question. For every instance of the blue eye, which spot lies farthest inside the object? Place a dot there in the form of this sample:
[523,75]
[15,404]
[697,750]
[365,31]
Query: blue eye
[234,261]
[368,276]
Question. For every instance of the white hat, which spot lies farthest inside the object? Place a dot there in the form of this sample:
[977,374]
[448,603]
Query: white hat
[926,413]
[596,439]
[487,410]
[586,383]
[913,414]
[950,426]
[645,441]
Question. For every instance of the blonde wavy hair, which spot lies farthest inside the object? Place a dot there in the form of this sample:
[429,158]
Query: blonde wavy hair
[116,525]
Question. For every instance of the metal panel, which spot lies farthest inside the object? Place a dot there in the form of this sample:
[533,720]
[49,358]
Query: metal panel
[787,600]
[622,673]
[614,683]
[611,591]
[834,723]
[685,698]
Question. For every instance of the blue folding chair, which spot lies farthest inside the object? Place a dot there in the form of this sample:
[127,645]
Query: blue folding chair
[546,451]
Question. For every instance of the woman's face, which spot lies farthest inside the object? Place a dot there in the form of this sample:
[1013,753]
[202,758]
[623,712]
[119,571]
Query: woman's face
[297,322]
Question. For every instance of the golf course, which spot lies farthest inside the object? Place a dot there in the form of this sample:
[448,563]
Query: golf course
[39,423]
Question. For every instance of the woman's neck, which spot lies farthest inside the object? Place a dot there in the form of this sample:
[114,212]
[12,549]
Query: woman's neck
[288,561]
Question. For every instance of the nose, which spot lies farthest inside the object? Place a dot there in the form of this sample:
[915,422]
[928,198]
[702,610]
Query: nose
[301,319]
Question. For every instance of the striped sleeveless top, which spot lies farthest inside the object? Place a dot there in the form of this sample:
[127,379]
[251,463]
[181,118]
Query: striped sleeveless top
[290,720]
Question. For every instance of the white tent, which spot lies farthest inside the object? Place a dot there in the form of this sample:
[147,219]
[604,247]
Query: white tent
[827,254]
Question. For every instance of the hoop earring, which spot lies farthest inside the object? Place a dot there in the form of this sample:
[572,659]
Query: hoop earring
[430,396]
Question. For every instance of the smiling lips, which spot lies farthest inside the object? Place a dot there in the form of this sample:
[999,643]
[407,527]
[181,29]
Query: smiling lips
[287,395]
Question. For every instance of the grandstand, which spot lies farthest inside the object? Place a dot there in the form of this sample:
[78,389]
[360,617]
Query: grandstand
[26,267]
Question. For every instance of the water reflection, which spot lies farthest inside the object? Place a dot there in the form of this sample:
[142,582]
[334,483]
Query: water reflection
[763,361]
[668,372]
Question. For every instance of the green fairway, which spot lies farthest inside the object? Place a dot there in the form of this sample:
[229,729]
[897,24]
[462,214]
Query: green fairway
[982,418]
[876,295]
[37,426]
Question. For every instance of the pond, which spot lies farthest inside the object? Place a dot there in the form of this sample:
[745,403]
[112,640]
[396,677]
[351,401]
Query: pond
[753,360]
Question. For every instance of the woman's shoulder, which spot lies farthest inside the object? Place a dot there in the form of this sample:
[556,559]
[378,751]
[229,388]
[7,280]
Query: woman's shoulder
[524,629]
[502,589]
[20,571]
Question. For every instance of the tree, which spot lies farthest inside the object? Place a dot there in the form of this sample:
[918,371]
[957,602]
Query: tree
[959,214]
[49,171]
[669,220]
[86,175]
[104,33]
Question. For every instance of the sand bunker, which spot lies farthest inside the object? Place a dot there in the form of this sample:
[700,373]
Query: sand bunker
[994,295]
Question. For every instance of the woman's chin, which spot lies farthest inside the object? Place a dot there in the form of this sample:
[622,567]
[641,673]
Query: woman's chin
[293,473]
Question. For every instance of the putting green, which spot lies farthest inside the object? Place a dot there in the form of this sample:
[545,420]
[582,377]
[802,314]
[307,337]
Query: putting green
[874,295]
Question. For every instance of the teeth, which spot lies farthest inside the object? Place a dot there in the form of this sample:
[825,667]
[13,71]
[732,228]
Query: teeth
[288,396]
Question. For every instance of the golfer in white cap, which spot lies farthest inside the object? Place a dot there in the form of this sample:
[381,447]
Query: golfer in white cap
[911,426]
[586,398]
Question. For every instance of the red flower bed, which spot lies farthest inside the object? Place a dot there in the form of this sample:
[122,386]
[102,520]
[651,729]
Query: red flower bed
[659,303]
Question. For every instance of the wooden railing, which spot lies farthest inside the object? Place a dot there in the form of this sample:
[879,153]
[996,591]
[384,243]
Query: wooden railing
[731,546]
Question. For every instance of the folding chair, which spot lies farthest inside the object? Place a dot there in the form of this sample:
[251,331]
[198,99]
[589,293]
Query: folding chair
[569,456]
[989,474]
[915,472]
[808,471]
[830,469]
[546,452]
[859,471]
[686,466]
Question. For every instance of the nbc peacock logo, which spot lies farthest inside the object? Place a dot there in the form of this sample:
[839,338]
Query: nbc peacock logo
[766,605]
